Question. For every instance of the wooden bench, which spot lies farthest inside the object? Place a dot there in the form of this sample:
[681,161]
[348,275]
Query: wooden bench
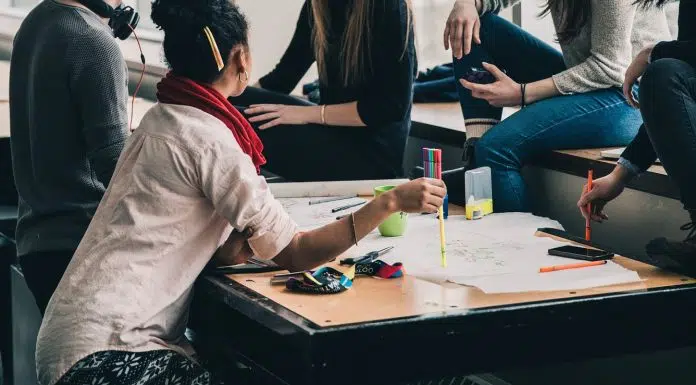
[443,123]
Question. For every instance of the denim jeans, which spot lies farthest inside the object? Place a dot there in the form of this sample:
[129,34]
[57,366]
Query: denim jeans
[599,118]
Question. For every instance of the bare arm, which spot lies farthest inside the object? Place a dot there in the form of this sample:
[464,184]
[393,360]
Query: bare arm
[319,246]
[311,249]
[540,90]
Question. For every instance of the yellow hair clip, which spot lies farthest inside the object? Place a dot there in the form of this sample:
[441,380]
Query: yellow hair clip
[214,47]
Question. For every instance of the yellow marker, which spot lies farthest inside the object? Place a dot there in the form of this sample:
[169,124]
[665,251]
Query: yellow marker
[442,236]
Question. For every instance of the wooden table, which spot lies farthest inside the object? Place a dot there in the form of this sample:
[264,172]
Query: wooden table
[393,331]
[438,122]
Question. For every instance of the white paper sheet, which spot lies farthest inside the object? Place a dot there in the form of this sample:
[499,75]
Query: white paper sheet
[497,254]
[330,189]
[309,217]
[575,279]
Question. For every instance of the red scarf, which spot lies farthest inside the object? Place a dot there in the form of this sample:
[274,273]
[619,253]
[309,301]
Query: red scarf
[178,90]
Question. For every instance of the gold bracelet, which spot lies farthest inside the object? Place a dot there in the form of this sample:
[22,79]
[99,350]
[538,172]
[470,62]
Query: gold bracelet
[323,114]
[352,222]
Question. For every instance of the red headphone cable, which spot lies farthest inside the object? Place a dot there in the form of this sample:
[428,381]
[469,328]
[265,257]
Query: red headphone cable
[142,74]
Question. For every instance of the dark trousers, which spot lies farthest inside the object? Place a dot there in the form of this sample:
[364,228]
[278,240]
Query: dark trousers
[668,105]
[312,152]
[43,271]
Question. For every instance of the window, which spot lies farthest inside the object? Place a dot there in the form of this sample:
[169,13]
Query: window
[144,7]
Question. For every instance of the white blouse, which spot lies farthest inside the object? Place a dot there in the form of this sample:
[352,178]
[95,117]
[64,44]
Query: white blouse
[180,186]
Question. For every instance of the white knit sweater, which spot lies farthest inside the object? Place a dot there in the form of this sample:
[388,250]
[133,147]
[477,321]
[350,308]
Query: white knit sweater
[599,56]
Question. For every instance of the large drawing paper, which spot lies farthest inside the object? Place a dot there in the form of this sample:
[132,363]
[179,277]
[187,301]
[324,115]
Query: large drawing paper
[498,254]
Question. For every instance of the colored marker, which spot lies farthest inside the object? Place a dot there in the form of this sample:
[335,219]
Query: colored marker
[571,266]
[346,207]
[432,167]
[588,224]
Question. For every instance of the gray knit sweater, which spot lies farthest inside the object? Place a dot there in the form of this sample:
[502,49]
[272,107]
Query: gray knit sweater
[68,120]
[599,56]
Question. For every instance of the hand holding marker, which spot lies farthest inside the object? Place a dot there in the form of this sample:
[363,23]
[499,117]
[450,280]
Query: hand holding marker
[432,166]
[588,224]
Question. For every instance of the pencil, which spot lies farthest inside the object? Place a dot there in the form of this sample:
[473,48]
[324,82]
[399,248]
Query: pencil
[571,266]
[588,225]
[332,199]
[346,207]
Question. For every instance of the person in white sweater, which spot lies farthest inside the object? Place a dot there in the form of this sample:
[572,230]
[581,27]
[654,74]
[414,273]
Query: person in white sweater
[569,99]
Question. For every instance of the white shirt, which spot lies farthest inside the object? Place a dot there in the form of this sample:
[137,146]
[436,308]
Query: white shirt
[180,186]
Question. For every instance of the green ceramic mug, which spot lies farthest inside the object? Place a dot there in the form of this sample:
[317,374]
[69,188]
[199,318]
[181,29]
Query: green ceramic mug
[395,224]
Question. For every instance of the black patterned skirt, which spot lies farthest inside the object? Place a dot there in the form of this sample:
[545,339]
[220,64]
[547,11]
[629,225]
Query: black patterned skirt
[157,367]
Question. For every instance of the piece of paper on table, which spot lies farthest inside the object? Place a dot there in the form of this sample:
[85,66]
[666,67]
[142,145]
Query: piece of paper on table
[309,217]
[497,254]
[575,279]
[330,189]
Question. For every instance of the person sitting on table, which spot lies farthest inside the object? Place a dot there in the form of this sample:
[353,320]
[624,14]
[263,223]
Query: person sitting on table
[68,122]
[667,102]
[186,190]
[569,100]
[366,58]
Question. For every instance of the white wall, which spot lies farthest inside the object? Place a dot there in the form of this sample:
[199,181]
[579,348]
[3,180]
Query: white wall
[272,23]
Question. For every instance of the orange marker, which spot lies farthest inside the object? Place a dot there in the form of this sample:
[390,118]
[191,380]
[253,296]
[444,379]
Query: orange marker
[588,226]
[571,266]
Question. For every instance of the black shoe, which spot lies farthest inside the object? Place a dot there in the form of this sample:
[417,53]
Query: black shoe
[469,157]
[679,257]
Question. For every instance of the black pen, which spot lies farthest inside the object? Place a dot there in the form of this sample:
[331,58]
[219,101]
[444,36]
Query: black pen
[337,209]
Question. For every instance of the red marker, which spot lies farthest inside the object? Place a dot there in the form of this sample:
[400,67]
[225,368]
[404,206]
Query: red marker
[588,227]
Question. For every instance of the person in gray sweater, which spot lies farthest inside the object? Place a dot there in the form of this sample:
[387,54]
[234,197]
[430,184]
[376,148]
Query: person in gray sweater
[569,99]
[68,121]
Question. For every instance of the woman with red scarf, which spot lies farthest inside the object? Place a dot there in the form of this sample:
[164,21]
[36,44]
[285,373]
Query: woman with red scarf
[186,190]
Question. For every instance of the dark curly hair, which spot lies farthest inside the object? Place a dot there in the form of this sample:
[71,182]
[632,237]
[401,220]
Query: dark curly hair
[186,48]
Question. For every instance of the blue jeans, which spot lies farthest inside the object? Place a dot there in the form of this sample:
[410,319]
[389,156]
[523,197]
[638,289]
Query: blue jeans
[594,119]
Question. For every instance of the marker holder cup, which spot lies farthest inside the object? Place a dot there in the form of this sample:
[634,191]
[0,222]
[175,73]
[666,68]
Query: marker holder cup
[478,187]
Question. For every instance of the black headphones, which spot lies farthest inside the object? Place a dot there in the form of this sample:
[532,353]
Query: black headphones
[122,19]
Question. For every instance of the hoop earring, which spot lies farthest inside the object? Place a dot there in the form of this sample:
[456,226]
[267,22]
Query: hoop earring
[246,77]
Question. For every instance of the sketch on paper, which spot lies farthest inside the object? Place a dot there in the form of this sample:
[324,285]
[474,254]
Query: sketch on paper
[498,253]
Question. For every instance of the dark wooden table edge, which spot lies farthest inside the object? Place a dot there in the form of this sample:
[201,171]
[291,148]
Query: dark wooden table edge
[310,328]
[664,324]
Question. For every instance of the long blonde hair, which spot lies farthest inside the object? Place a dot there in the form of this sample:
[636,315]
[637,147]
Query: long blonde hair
[356,53]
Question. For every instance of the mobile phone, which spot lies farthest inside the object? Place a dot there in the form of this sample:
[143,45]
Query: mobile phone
[479,76]
[582,253]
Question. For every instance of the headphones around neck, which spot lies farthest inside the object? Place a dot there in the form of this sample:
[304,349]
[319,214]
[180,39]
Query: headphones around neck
[122,20]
